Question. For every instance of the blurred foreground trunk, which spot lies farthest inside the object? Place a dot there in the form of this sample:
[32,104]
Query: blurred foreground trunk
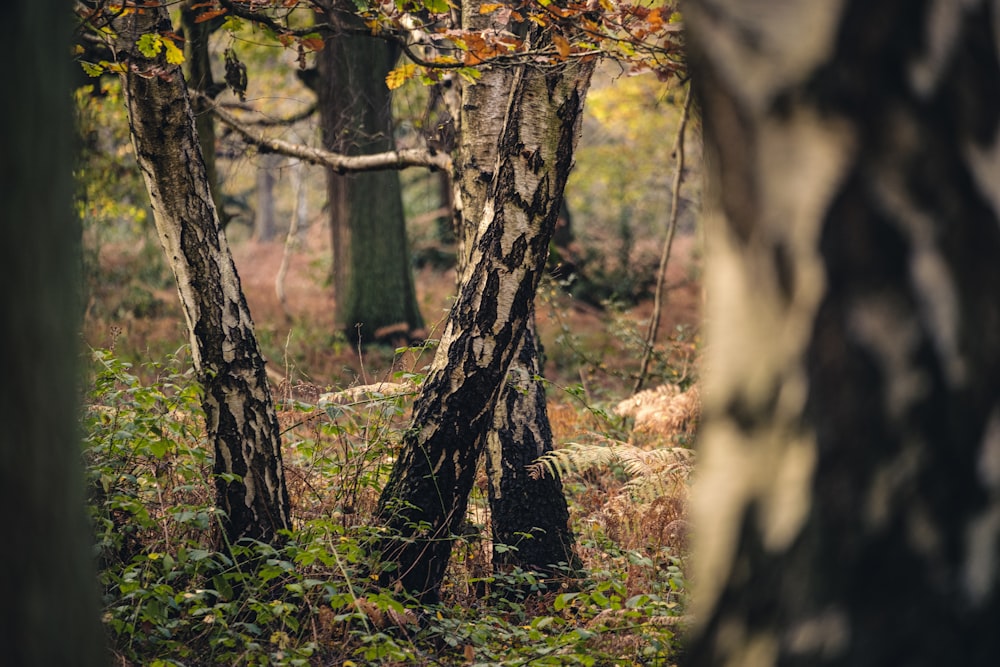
[848,501]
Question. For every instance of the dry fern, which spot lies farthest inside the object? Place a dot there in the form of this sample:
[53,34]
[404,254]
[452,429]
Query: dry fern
[663,413]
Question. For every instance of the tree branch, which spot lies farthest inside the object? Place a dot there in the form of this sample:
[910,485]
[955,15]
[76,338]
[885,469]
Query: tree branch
[338,162]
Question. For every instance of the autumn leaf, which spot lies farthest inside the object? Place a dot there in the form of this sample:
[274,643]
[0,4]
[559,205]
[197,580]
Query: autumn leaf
[489,7]
[174,55]
[313,43]
[400,75]
[562,45]
[209,15]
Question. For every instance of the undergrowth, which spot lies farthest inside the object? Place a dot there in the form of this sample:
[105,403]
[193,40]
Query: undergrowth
[175,593]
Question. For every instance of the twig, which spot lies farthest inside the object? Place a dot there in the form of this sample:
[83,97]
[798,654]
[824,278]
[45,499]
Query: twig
[291,241]
[661,277]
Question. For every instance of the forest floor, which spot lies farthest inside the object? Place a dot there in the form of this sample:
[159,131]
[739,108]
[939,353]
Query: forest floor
[583,343]
[171,594]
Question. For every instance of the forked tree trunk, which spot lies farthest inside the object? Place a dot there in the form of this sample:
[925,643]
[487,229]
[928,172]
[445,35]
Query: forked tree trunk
[848,502]
[239,412]
[427,493]
[519,505]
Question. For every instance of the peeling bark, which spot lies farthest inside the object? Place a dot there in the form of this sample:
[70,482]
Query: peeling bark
[848,503]
[239,411]
[519,505]
[427,493]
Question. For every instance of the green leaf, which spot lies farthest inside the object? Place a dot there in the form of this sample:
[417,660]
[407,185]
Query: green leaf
[91,69]
[436,6]
[563,600]
[150,45]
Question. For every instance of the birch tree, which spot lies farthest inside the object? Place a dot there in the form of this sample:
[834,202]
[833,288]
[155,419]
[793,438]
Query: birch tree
[848,505]
[425,499]
[240,419]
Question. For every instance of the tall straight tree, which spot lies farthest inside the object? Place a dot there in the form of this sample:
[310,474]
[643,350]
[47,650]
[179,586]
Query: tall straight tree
[373,280]
[50,614]
[239,411]
[848,506]
[425,499]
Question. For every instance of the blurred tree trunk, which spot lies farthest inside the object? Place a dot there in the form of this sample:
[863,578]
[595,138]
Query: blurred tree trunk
[239,411]
[519,505]
[198,73]
[848,503]
[50,613]
[265,226]
[425,499]
[372,276]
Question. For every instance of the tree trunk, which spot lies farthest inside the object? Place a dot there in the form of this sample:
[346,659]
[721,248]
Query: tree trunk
[427,493]
[848,503]
[50,614]
[265,226]
[198,72]
[373,280]
[519,505]
[241,422]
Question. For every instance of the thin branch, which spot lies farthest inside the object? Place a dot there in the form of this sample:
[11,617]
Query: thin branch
[661,277]
[400,159]
[266,121]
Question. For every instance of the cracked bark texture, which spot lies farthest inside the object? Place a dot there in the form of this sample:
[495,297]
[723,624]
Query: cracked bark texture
[240,419]
[519,505]
[848,501]
[425,498]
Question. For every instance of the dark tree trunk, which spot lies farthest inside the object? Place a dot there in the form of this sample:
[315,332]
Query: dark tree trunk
[198,73]
[426,496]
[50,613]
[848,503]
[239,411]
[529,516]
[373,279]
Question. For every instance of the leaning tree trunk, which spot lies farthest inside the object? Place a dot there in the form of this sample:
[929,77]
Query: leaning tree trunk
[50,613]
[239,412]
[427,493]
[520,506]
[373,281]
[848,506]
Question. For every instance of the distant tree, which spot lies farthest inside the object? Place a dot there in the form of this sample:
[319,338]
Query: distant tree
[239,410]
[50,612]
[373,276]
[848,502]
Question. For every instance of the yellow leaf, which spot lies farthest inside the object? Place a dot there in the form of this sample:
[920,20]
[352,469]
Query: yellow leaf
[399,76]
[489,7]
[174,55]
